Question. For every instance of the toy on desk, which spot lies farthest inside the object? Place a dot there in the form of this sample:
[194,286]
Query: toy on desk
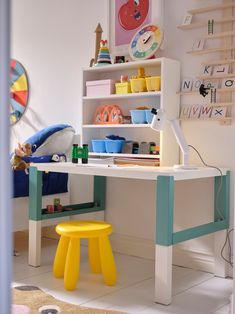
[80,153]
[57,158]
[103,55]
[98,33]
[17,162]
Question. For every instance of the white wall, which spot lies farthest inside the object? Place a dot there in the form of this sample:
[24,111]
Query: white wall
[54,39]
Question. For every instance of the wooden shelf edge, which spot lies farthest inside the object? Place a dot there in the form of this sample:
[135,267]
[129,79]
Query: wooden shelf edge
[219,35]
[211,50]
[218,62]
[207,119]
[212,8]
[205,23]
[219,90]
[215,77]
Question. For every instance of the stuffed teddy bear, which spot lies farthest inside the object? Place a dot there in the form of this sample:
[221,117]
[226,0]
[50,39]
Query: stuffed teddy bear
[21,151]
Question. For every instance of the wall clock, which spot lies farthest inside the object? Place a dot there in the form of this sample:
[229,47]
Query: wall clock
[19,91]
[145,42]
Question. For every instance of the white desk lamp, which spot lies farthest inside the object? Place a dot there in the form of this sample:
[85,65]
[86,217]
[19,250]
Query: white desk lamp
[157,124]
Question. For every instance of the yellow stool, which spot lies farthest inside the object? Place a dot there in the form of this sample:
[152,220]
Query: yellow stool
[67,258]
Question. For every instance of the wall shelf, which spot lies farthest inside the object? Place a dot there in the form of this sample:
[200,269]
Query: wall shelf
[219,90]
[211,8]
[215,77]
[226,119]
[219,35]
[205,23]
[226,50]
[218,62]
[210,50]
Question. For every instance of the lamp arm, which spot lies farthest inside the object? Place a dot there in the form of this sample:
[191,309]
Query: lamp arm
[180,140]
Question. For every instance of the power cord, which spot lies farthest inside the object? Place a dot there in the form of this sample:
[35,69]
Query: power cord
[227,239]
[221,181]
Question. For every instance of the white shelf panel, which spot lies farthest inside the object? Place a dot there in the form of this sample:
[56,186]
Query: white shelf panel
[125,155]
[124,96]
[127,65]
[103,126]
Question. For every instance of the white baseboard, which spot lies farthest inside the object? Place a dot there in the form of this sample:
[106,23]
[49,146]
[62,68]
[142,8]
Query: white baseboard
[133,246]
[145,248]
[199,260]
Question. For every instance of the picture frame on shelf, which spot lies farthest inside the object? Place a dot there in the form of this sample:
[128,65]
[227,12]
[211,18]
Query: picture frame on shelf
[121,29]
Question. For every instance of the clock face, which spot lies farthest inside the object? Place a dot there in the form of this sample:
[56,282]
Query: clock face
[146,42]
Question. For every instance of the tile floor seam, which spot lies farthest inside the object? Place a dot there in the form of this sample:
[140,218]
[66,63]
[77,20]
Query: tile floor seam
[220,307]
[35,275]
[195,285]
[117,290]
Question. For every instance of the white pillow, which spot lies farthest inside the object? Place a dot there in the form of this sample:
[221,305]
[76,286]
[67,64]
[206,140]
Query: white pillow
[58,143]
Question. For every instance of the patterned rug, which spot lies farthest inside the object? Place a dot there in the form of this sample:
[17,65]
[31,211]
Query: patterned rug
[32,300]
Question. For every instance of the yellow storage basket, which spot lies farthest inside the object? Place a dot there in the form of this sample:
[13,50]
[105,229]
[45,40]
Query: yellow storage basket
[138,85]
[153,83]
[123,88]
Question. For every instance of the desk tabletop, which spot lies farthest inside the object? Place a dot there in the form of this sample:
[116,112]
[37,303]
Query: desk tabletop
[131,172]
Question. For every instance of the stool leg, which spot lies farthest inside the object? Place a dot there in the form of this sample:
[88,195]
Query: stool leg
[60,257]
[94,255]
[107,261]
[72,264]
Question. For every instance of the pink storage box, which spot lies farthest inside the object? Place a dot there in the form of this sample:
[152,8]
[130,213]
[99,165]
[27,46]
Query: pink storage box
[100,88]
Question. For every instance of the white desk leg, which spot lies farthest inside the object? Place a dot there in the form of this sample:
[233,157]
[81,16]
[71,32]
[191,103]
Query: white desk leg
[163,274]
[220,265]
[34,243]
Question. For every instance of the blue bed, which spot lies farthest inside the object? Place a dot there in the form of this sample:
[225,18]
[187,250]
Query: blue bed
[56,139]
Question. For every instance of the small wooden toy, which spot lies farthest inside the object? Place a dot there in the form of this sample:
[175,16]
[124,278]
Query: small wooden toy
[145,42]
[98,33]
[108,114]
[103,55]
[50,209]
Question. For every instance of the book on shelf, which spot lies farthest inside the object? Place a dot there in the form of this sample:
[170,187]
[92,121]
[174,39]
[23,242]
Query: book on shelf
[136,161]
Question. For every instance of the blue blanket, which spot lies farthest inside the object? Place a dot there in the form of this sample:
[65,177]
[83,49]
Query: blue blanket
[53,182]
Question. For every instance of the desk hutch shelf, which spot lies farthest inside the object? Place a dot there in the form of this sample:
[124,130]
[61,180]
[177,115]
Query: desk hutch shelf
[167,98]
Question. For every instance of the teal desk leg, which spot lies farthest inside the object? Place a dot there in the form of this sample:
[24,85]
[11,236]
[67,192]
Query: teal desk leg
[100,191]
[35,216]
[164,238]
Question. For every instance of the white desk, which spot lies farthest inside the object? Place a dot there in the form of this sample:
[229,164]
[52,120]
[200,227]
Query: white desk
[165,236]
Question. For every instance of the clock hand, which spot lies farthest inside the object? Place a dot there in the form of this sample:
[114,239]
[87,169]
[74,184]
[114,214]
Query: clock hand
[145,42]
